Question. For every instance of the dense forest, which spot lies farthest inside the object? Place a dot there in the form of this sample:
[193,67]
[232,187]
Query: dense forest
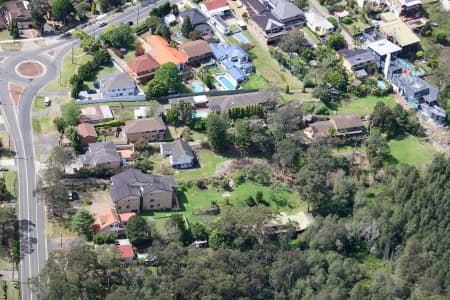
[386,240]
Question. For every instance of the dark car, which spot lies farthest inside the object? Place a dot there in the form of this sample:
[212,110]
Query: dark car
[91,91]
[130,23]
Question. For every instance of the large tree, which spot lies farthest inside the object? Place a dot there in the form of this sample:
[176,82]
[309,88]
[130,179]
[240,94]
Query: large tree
[138,230]
[120,36]
[169,75]
[186,26]
[336,41]
[71,113]
[216,130]
[82,223]
[61,9]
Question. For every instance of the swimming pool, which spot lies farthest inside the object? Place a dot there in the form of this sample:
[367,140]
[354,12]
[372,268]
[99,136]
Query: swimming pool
[241,38]
[381,85]
[226,83]
[200,114]
[198,88]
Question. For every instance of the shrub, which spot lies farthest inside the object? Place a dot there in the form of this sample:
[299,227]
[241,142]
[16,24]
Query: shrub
[347,20]
[104,238]
[200,184]
[250,201]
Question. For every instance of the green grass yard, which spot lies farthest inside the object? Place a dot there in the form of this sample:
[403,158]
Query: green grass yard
[364,106]
[208,162]
[411,150]
[43,124]
[255,81]
[10,181]
[104,71]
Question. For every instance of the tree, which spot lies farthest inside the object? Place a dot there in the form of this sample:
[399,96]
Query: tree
[82,223]
[293,41]
[383,118]
[71,113]
[336,41]
[5,195]
[333,21]
[286,119]
[216,130]
[156,88]
[172,116]
[60,124]
[141,145]
[137,230]
[164,31]
[102,57]
[186,26]
[81,9]
[120,36]
[175,10]
[376,149]
[184,109]
[60,157]
[440,36]
[37,16]
[153,23]
[195,35]
[61,9]
[168,74]
[242,136]
[337,79]
[14,30]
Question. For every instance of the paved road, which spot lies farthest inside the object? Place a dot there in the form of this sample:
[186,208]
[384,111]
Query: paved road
[33,242]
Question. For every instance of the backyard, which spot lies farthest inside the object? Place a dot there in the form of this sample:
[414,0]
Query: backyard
[208,162]
[411,150]
[43,125]
[364,106]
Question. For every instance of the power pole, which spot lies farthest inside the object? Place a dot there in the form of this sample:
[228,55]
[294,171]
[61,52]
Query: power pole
[137,19]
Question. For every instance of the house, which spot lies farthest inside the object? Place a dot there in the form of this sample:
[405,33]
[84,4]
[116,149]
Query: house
[124,219]
[196,51]
[221,104]
[17,11]
[142,68]
[180,153]
[198,20]
[117,85]
[338,125]
[414,89]
[355,60]
[101,155]
[107,222]
[220,24]
[169,19]
[86,133]
[151,129]
[126,253]
[254,7]
[266,27]
[318,24]
[384,52]
[215,8]
[398,32]
[407,9]
[435,112]
[96,114]
[234,59]
[301,221]
[163,53]
[289,14]
[134,191]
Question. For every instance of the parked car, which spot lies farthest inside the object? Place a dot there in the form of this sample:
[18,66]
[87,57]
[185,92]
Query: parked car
[89,91]
[123,51]
[71,195]
[102,24]
[130,23]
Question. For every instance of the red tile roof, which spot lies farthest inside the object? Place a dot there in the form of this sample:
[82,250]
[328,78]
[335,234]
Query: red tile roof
[195,48]
[143,63]
[86,129]
[163,53]
[105,219]
[215,4]
[126,216]
[126,250]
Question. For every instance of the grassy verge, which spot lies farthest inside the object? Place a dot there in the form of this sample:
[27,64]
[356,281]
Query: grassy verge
[55,230]
[43,124]
[411,150]
[12,293]
[208,162]
[364,106]
[38,103]
[13,46]
[10,181]
[4,35]
[68,69]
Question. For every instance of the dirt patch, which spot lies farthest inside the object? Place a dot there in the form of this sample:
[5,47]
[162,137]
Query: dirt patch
[100,202]
[30,69]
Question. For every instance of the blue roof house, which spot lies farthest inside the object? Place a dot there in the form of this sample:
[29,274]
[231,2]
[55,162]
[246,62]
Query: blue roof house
[234,59]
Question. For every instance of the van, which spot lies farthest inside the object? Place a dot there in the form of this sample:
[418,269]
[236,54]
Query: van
[47,101]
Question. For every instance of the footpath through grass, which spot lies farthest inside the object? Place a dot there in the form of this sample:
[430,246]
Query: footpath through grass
[411,150]
[364,106]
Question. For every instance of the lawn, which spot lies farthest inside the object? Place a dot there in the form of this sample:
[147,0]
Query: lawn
[410,150]
[55,230]
[364,106]
[267,67]
[4,35]
[208,162]
[255,81]
[68,69]
[43,124]
[10,181]
[104,71]
[12,293]
[311,35]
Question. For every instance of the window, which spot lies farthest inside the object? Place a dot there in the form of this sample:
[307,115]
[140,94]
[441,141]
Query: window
[120,207]
[151,206]
[152,200]
[128,206]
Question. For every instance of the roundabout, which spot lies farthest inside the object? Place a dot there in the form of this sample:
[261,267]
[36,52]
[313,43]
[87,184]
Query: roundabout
[30,69]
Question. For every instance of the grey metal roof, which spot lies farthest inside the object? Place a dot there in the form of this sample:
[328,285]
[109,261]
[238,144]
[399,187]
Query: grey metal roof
[286,10]
[100,153]
[117,81]
[133,182]
[178,149]
[357,57]
[195,16]
[238,100]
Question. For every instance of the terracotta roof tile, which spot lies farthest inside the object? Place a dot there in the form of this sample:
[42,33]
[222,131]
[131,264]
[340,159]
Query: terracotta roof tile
[215,4]
[195,48]
[163,53]
[143,125]
[143,63]
[105,219]
[126,250]
[86,129]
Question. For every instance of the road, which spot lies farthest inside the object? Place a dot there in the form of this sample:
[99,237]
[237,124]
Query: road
[33,241]
[324,12]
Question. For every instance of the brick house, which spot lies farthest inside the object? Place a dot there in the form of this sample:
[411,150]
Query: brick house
[151,129]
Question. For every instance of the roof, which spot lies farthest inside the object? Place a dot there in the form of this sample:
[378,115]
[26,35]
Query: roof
[100,153]
[105,219]
[398,30]
[17,10]
[126,251]
[96,113]
[178,148]
[239,100]
[321,128]
[357,57]
[126,216]
[143,63]
[163,53]
[236,73]
[117,81]
[266,21]
[317,20]
[302,220]
[143,125]
[133,182]
[215,4]
[346,121]
[195,16]
[256,6]
[86,129]
[285,10]
[200,99]
[383,47]
[125,153]
[195,48]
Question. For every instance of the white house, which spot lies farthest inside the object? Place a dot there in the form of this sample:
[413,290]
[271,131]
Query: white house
[221,25]
[215,8]
[318,24]
[180,153]
[117,85]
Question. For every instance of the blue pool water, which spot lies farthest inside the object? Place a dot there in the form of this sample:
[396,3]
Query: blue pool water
[200,114]
[197,87]
[381,85]
[241,38]
[226,82]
